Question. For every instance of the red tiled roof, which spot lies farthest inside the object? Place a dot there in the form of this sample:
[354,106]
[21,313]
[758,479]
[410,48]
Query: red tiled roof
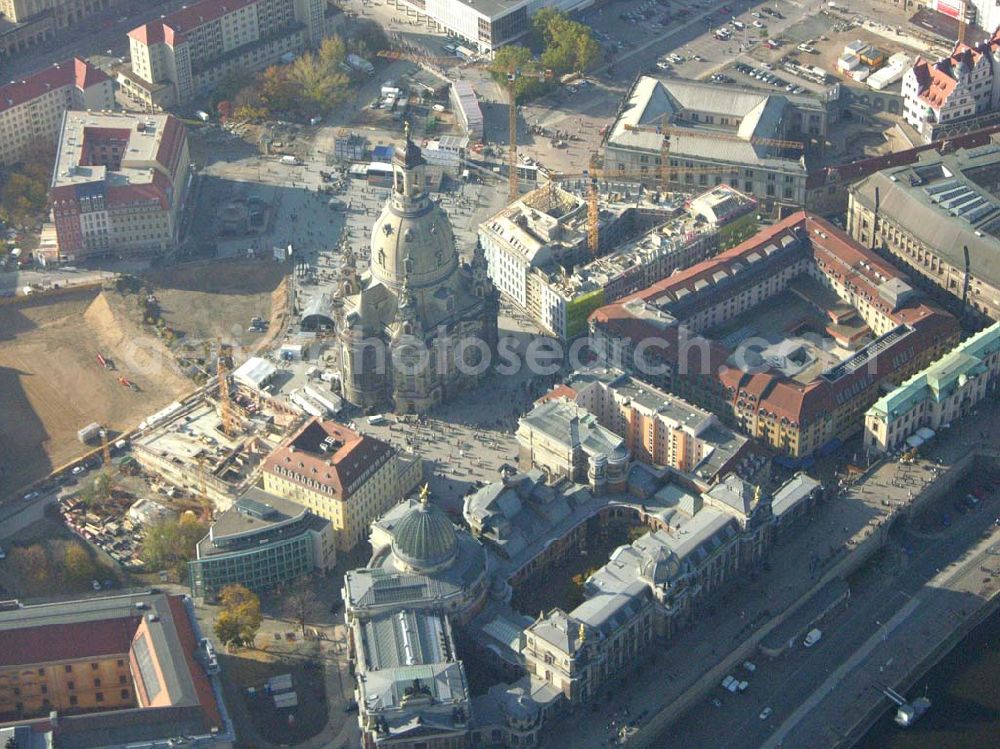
[838,255]
[75,72]
[559,391]
[63,642]
[171,139]
[86,75]
[206,11]
[189,646]
[339,470]
[148,33]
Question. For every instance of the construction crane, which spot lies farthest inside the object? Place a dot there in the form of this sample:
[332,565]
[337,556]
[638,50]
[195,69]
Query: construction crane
[666,131]
[225,404]
[961,23]
[596,172]
[510,87]
[753,139]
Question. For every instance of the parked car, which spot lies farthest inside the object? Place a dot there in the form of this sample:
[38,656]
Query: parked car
[765,713]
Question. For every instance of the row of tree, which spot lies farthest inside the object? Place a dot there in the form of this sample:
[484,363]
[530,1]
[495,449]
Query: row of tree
[54,564]
[562,46]
[24,190]
[313,85]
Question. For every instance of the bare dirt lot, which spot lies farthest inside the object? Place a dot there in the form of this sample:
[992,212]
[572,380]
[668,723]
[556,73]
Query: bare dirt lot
[51,383]
[210,300]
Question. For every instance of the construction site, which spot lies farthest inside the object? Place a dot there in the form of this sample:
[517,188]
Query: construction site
[53,381]
[212,445]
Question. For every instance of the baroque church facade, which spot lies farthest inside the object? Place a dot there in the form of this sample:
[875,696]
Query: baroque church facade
[420,324]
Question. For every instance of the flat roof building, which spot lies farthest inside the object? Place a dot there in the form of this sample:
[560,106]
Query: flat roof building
[538,257]
[486,25]
[930,212]
[262,541]
[119,184]
[124,670]
[31,109]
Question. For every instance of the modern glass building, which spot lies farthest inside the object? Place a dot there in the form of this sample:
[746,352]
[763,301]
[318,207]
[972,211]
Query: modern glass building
[261,542]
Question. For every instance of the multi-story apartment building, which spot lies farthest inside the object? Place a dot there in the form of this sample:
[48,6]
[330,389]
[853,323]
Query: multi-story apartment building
[961,87]
[940,217]
[719,134]
[937,397]
[705,334]
[119,185]
[63,12]
[345,477]
[194,48]
[537,257]
[658,428]
[34,21]
[129,670]
[261,542]
[31,110]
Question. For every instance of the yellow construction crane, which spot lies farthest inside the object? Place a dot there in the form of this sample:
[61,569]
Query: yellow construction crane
[753,139]
[666,131]
[597,172]
[511,88]
[961,23]
[225,404]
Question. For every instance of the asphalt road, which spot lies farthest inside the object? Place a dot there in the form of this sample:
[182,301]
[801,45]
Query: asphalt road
[93,37]
[784,683]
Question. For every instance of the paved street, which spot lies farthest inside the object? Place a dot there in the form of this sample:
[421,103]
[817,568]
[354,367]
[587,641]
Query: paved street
[893,584]
[833,528]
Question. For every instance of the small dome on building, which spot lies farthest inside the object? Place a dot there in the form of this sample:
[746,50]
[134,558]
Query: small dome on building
[425,537]
[659,566]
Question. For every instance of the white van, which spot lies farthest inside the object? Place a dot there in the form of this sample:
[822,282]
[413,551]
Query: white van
[812,638]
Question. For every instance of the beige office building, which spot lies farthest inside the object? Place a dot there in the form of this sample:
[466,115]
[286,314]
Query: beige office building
[348,478]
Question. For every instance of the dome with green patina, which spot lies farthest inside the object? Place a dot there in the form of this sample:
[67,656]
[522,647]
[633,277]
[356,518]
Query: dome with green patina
[424,538]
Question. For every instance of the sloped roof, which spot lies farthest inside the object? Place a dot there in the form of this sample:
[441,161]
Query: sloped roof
[75,72]
[338,468]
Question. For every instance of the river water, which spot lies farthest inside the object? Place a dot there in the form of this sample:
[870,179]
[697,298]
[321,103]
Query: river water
[964,689]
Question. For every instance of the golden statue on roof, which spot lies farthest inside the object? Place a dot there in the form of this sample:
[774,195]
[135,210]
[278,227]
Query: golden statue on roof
[425,492]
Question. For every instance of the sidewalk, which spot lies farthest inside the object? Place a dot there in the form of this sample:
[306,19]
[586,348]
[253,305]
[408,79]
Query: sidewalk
[836,526]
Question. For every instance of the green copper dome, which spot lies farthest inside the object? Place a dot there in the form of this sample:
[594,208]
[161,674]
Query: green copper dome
[425,537]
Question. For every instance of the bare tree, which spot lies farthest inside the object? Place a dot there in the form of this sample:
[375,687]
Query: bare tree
[301,602]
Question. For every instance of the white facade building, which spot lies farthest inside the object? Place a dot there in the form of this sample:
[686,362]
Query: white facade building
[955,88]
[31,110]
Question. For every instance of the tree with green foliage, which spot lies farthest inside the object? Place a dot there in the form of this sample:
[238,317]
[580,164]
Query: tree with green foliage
[333,52]
[78,566]
[170,543]
[567,46]
[239,620]
[515,60]
[25,191]
[322,86]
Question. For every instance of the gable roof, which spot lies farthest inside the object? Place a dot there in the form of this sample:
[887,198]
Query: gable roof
[73,72]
